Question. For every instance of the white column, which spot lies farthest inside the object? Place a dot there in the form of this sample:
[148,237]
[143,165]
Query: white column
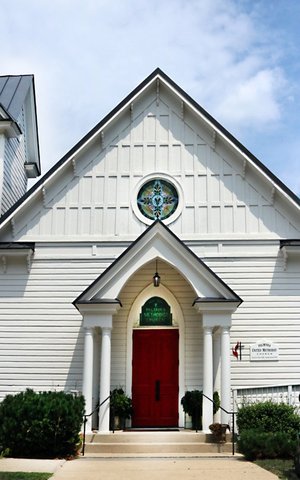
[217,369]
[207,417]
[87,385]
[105,379]
[225,373]
[96,377]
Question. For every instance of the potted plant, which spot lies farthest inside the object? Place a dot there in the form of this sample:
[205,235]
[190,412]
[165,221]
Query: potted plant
[219,431]
[192,405]
[121,408]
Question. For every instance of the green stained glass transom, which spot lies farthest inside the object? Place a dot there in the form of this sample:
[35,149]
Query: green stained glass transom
[157,199]
[156,311]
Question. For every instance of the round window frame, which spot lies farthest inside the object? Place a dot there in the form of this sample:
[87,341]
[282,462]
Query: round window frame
[152,177]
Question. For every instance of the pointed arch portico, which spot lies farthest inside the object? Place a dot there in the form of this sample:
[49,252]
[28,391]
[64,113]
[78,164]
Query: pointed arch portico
[214,303]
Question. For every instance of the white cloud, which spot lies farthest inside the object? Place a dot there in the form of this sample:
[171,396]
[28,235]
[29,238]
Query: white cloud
[253,101]
[87,55]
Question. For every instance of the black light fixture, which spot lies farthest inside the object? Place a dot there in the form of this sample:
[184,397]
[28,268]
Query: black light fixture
[156,278]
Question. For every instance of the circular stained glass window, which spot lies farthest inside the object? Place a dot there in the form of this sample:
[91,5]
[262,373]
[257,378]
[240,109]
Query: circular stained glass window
[157,199]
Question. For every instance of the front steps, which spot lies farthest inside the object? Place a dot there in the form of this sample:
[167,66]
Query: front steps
[181,443]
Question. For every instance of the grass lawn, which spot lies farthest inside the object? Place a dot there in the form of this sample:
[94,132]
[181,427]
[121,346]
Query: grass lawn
[284,469]
[24,476]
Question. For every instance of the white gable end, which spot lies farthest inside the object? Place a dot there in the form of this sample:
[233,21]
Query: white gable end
[94,194]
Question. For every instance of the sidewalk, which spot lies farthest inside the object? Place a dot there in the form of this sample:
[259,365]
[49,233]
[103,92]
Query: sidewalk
[29,465]
[85,468]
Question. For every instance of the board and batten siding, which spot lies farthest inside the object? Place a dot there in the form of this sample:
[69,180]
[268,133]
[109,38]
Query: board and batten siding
[14,176]
[41,332]
[92,195]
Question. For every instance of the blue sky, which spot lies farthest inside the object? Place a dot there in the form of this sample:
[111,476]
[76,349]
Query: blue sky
[239,59]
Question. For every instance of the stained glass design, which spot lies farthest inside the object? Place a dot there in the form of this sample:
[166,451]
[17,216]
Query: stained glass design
[157,199]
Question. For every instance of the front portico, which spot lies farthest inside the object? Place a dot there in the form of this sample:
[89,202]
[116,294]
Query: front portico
[201,306]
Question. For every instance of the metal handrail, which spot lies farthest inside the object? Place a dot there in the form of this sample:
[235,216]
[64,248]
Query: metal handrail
[229,413]
[85,417]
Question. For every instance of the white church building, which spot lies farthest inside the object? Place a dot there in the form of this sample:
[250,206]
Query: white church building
[158,255]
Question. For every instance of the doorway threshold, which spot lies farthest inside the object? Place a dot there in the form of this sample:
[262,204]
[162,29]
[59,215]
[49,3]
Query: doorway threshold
[152,429]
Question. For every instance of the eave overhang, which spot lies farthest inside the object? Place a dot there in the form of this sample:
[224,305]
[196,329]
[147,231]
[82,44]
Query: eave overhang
[217,304]
[16,250]
[290,250]
[10,128]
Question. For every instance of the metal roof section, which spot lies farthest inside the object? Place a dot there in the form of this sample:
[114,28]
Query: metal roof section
[17,92]
[13,91]
[217,129]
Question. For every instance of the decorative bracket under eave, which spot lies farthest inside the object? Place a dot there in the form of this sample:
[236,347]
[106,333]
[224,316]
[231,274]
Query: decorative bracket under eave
[244,168]
[74,166]
[102,139]
[131,112]
[273,192]
[13,227]
[44,196]
[15,250]
[157,92]
[29,260]
[4,264]
[214,139]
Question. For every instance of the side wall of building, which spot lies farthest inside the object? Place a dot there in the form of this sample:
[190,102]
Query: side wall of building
[41,337]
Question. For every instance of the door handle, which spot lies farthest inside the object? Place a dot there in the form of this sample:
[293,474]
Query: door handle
[157,390]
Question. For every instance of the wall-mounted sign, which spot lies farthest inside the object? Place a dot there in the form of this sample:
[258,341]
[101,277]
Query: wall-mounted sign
[264,351]
[156,311]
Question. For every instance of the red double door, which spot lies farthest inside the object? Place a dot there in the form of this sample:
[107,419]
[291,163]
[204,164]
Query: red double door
[155,378]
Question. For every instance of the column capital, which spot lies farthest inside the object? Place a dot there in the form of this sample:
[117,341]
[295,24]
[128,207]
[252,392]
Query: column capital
[225,329]
[207,329]
[106,329]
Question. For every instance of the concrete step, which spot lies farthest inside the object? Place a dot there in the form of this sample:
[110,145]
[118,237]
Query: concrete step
[155,443]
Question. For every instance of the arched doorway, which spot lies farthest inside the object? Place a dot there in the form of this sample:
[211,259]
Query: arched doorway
[155,356]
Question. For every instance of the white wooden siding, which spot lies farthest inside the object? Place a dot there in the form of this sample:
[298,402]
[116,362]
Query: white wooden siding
[41,339]
[92,196]
[14,180]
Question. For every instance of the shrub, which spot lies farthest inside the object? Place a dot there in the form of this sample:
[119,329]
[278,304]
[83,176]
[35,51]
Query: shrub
[269,417]
[254,443]
[40,425]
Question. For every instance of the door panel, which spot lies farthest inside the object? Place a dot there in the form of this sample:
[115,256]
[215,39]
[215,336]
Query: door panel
[155,378]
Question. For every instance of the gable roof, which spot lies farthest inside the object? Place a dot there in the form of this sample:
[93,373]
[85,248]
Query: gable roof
[158,241]
[156,75]
[15,92]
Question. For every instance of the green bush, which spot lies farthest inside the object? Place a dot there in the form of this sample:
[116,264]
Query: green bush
[269,417]
[254,444]
[40,425]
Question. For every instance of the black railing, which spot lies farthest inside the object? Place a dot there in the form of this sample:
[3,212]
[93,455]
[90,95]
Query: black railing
[85,418]
[232,419]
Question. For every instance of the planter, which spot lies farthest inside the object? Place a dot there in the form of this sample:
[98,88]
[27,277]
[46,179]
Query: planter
[218,431]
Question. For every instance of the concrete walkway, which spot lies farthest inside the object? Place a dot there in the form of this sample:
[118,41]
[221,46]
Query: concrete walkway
[29,465]
[83,468]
